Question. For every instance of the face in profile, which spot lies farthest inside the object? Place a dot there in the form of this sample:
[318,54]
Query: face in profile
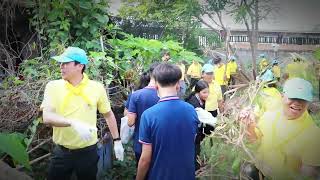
[70,70]
[208,77]
[294,108]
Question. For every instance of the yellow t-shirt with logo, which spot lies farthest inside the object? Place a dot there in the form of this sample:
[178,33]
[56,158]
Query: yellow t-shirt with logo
[219,73]
[194,70]
[232,66]
[76,103]
[286,144]
[215,95]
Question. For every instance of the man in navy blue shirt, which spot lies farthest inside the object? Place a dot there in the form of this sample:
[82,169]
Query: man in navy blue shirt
[167,131]
[141,100]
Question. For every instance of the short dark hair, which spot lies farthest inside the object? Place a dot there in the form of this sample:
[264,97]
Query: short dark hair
[167,74]
[200,85]
[152,67]
[84,66]
[216,60]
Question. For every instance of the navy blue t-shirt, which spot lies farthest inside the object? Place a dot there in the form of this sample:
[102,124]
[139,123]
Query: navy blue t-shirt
[139,101]
[170,127]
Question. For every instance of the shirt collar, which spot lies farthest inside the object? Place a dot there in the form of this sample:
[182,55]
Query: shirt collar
[150,87]
[198,98]
[169,98]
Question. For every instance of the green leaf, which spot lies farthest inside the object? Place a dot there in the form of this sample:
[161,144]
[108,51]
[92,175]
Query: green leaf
[12,145]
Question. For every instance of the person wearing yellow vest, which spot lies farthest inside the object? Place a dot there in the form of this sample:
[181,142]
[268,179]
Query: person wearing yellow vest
[221,74]
[194,71]
[276,69]
[269,96]
[214,100]
[296,68]
[288,138]
[263,64]
[232,68]
[70,106]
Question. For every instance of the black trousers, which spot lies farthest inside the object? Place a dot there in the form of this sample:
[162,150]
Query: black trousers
[202,132]
[82,161]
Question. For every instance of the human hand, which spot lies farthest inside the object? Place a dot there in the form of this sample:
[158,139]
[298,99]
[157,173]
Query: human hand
[246,116]
[118,150]
[84,130]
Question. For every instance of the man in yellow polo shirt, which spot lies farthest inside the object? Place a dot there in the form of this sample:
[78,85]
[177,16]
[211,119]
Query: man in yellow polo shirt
[194,71]
[288,138]
[70,106]
[214,100]
[221,74]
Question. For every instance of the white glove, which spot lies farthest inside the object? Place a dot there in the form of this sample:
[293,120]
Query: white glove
[206,117]
[118,150]
[85,131]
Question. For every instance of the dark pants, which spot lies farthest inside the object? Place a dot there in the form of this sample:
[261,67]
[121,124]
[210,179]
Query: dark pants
[202,132]
[223,90]
[82,161]
[214,113]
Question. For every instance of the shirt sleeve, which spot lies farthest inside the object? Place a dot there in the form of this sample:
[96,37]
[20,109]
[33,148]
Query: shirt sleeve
[48,100]
[132,108]
[103,101]
[145,129]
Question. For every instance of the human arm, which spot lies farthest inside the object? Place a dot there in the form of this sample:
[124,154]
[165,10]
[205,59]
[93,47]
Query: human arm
[132,116]
[144,162]
[247,118]
[131,119]
[112,124]
[49,114]
[53,119]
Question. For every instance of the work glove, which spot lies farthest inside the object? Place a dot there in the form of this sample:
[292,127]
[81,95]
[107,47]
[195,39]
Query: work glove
[85,131]
[205,117]
[118,150]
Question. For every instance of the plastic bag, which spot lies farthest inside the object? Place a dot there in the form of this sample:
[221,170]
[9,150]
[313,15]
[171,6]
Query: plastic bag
[105,156]
[126,132]
[205,117]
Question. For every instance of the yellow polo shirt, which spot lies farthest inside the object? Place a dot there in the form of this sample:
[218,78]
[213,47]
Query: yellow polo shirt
[183,70]
[219,73]
[194,70]
[297,69]
[276,71]
[286,144]
[215,95]
[76,103]
[232,66]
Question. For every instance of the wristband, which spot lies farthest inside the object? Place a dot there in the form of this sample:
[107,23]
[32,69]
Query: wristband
[117,139]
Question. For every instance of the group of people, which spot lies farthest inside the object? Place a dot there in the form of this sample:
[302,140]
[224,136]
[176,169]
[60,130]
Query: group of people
[168,129]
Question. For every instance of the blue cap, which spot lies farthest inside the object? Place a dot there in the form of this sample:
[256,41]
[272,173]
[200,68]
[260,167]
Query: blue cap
[233,58]
[298,88]
[207,68]
[262,55]
[72,54]
[267,76]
